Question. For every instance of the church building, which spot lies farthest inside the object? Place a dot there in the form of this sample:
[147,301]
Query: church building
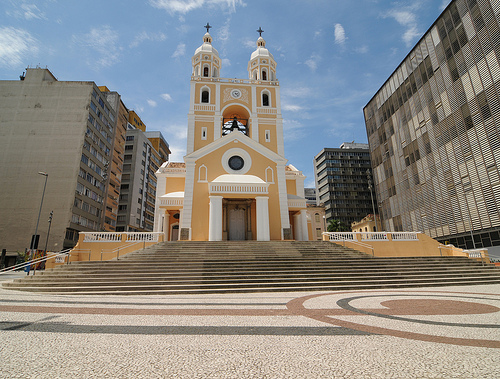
[234,183]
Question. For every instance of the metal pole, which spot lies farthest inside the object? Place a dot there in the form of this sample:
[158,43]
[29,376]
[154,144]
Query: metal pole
[48,232]
[38,220]
[368,174]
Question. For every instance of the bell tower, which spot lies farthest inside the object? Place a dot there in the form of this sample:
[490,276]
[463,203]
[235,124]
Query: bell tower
[262,65]
[206,62]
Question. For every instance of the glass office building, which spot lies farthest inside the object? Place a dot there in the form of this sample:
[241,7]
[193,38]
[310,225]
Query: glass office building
[434,131]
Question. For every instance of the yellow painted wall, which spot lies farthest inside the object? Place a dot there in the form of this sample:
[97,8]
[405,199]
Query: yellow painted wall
[175,185]
[291,187]
[273,143]
[198,141]
[200,194]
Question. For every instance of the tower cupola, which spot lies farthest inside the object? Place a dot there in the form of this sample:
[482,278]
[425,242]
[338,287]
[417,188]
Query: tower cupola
[206,61]
[262,65]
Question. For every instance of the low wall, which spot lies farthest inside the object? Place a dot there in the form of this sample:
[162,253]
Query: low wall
[105,246]
[401,244]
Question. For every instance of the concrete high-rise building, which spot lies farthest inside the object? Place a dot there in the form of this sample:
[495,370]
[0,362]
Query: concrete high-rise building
[138,188]
[114,169]
[66,130]
[434,131]
[341,176]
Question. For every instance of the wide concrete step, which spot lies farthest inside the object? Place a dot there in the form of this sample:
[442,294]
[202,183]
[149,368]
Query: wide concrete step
[260,279]
[263,287]
[196,267]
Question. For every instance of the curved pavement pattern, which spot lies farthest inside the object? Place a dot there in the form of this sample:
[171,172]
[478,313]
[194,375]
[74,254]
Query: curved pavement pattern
[451,332]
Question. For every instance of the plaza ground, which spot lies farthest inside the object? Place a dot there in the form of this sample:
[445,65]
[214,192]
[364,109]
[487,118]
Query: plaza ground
[432,332]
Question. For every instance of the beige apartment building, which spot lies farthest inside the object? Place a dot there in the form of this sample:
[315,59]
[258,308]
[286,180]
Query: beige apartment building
[66,130]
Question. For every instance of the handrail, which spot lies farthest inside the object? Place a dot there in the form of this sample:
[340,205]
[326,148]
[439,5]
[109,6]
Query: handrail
[349,237]
[365,245]
[117,250]
[35,260]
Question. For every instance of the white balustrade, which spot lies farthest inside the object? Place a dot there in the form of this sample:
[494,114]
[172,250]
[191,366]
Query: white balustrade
[102,237]
[374,236]
[238,188]
[142,236]
[117,237]
[341,236]
[404,236]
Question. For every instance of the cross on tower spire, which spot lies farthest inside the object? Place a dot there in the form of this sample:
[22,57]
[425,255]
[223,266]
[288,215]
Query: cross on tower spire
[208,27]
[260,31]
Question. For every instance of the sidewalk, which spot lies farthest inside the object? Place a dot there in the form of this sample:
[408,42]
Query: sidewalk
[434,332]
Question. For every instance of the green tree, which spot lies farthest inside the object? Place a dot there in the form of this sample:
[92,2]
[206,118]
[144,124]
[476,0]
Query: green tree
[336,226]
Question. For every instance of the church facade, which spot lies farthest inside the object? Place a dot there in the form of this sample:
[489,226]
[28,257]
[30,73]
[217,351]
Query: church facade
[234,183]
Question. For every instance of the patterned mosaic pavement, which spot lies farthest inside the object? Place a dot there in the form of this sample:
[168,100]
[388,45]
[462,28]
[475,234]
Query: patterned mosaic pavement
[447,332]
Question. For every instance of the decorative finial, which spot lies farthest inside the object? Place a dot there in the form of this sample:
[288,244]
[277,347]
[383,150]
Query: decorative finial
[208,27]
[260,31]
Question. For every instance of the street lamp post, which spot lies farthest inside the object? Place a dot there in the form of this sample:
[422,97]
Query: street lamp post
[34,239]
[368,175]
[47,240]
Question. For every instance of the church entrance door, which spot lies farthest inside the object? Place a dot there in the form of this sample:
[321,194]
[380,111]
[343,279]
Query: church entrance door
[237,224]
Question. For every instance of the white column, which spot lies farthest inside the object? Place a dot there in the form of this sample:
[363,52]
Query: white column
[297,233]
[215,222]
[157,226]
[165,226]
[303,222]
[262,218]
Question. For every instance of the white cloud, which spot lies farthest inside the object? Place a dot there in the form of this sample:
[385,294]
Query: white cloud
[294,130]
[185,6]
[408,19]
[180,51]
[291,107]
[223,33]
[250,44]
[339,34]
[362,49]
[225,62]
[145,36]
[104,41]
[312,62]
[26,11]
[300,92]
[152,103]
[177,153]
[166,97]
[16,45]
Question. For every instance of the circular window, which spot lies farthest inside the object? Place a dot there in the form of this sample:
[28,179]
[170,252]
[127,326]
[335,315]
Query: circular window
[236,162]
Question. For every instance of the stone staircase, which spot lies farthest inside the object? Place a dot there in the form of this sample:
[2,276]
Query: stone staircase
[250,266]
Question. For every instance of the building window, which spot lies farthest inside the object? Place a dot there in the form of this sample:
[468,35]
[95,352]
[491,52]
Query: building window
[264,75]
[265,100]
[205,96]
[268,135]
[204,133]
[130,138]
[205,71]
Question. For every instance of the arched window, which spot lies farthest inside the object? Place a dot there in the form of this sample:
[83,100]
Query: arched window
[197,71]
[205,96]
[205,71]
[254,75]
[215,72]
[265,100]
[202,173]
[264,75]
[269,175]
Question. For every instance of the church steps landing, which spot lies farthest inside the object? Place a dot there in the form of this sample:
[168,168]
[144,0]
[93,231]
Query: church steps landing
[195,267]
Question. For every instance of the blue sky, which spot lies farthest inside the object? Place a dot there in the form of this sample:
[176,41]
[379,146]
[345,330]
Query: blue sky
[332,55]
